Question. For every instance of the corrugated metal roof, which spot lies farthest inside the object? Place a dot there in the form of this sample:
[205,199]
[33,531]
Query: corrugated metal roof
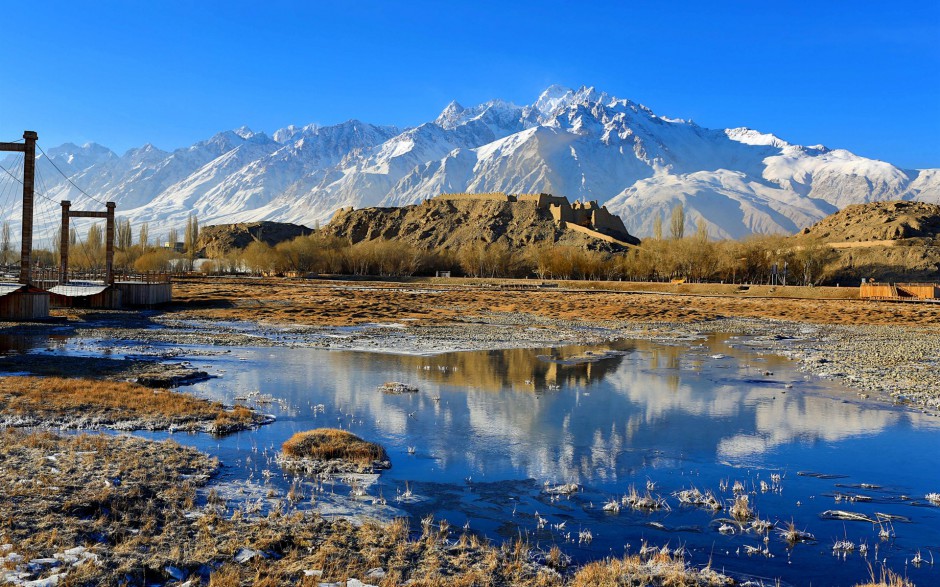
[77,291]
[8,288]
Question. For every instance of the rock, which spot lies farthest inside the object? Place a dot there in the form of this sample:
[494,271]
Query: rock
[246,554]
[49,581]
[395,388]
[176,573]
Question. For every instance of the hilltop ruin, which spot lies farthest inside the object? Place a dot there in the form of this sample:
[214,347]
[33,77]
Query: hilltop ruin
[519,220]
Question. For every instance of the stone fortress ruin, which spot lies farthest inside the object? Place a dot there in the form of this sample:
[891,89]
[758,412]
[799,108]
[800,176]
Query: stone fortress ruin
[589,218]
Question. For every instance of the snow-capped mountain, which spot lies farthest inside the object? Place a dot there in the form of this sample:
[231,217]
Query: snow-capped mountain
[582,144]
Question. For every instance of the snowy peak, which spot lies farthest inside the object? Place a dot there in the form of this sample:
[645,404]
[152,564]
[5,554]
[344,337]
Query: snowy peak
[244,132]
[752,137]
[582,144]
[450,115]
[553,98]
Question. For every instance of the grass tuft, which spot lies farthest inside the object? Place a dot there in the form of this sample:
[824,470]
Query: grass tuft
[328,444]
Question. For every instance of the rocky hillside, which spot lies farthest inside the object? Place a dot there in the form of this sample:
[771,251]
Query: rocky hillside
[436,224]
[239,236]
[878,221]
[895,242]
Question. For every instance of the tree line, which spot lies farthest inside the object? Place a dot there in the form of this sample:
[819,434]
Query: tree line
[695,258]
[756,259]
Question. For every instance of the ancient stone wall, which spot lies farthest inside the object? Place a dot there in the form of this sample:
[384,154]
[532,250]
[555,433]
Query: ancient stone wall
[492,197]
[589,215]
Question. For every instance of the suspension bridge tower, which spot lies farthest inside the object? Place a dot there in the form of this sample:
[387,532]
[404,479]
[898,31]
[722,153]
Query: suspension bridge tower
[21,301]
[28,148]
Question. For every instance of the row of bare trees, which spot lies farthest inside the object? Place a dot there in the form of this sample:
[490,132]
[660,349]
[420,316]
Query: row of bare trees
[87,252]
[694,258]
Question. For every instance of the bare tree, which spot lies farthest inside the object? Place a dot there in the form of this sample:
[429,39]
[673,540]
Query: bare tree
[6,247]
[677,222]
[123,234]
[658,227]
[701,230]
[144,237]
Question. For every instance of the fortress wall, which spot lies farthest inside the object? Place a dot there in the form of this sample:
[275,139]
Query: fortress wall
[589,216]
[560,213]
[490,197]
[543,200]
[603,220]
[597,235]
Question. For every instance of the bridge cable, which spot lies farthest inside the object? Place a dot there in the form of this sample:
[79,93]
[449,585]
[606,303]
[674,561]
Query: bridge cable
[68,178]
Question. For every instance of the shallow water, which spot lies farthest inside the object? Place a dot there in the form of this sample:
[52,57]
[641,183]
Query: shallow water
[490,428]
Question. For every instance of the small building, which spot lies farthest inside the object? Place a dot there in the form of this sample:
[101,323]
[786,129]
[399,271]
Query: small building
[23,303]
[85,295]
[899,291]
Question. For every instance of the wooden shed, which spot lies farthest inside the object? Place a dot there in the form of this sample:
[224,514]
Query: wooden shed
[105,297]
[900,291]
[19,302]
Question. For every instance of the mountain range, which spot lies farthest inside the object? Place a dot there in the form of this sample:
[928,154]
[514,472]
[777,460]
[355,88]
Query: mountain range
[582,144]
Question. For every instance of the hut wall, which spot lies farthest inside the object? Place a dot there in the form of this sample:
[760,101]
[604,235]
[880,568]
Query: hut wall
[145,294]
[109,299]
[924,291]
[877,290]
[24,305]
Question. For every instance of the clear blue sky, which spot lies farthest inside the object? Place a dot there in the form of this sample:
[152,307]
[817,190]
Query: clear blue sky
[858,75]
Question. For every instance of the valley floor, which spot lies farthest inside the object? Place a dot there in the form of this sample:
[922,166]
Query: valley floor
[888,350]
[138,502]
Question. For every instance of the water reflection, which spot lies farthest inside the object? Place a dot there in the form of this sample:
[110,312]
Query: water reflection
[520,369]
[489,428]
[596,418]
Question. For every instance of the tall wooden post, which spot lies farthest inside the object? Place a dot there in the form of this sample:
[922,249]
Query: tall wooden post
[109,246]
[29,171]
[64,244]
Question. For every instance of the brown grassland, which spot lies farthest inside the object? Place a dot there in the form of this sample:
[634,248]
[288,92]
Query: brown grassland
[432,301]
[88,403]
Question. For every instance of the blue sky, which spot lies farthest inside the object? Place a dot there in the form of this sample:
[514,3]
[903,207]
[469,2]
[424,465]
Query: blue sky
[864,76]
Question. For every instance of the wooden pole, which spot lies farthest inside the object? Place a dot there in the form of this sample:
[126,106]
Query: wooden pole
[109,246]
[29,171]
[64,244]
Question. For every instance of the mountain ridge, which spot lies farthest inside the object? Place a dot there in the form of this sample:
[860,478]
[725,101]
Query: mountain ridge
[583,144]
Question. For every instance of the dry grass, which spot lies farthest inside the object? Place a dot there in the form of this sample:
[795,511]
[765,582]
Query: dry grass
[84,403]
[661,568]
[338,303]
[327,444]
[887,578]
[133,503]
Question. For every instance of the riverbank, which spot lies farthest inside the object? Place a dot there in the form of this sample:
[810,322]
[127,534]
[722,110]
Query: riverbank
[294,545]
[885,350]
[84,404]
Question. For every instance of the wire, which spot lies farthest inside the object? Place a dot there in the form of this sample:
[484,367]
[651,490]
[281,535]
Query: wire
[49,159]
[20,181]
